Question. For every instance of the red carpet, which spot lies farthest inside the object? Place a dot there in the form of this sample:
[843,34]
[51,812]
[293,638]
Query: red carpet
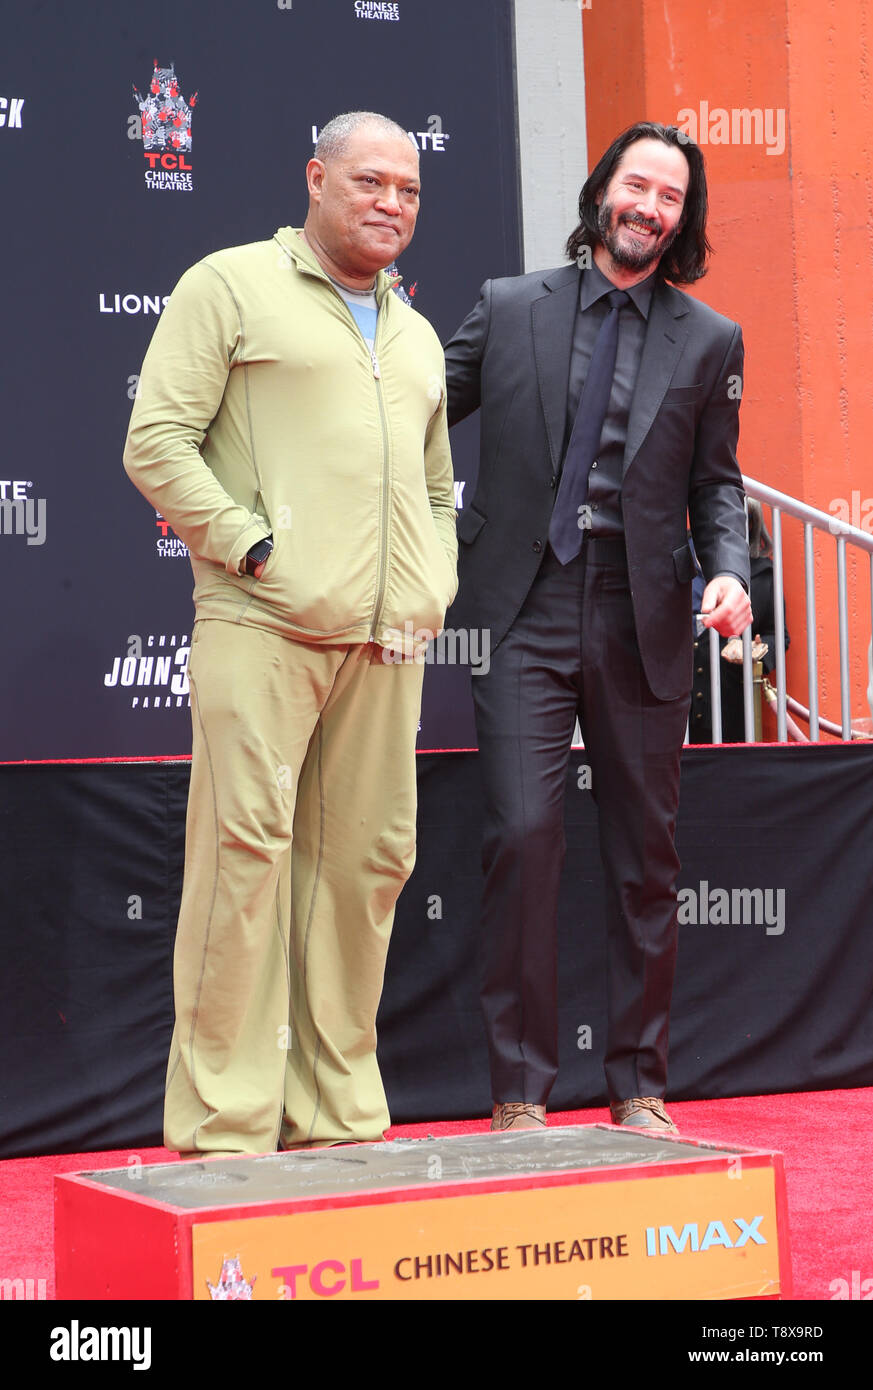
[824,1137]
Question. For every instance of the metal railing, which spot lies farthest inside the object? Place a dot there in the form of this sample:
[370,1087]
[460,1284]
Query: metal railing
[843,535]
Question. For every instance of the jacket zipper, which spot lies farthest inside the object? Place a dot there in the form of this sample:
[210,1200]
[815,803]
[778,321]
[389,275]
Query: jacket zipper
[383,501]
[383,508]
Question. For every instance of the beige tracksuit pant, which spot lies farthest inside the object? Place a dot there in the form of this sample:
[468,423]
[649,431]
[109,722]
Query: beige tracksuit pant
[300,836]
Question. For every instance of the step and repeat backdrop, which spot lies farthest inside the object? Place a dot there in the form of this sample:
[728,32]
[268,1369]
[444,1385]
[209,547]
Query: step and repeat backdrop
[134,140]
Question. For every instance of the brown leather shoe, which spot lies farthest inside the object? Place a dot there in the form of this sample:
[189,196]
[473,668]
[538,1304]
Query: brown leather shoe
[642,1112]
[518,1114]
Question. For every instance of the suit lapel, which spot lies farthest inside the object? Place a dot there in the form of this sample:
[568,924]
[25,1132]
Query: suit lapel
[666,334]
[553,317]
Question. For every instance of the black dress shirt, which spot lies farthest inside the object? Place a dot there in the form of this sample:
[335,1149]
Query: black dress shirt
[604,480]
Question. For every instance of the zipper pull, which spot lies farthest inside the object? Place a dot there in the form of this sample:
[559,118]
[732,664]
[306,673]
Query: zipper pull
[376,373]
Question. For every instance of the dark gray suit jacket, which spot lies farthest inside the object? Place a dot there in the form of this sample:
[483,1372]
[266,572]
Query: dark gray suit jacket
[511,357]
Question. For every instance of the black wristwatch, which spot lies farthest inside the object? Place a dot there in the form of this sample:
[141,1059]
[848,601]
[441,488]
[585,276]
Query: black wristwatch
[258,554]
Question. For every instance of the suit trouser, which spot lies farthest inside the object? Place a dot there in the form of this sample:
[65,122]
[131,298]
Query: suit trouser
[573,650]
[300,836]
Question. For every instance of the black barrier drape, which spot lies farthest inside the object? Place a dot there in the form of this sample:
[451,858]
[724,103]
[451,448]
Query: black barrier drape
[97,228]
[774,989]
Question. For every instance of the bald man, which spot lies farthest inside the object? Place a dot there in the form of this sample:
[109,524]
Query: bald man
[291,427]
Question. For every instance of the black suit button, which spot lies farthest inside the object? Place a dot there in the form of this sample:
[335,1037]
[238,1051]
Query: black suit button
[537,545]
[553,482]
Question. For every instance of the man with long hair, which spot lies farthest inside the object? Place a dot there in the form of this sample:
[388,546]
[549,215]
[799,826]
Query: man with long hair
[609,412]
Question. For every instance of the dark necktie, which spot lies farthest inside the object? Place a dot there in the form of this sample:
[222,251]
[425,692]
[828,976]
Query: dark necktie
[567,524]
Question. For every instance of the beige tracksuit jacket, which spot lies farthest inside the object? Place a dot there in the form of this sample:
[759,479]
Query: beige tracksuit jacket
[274,433]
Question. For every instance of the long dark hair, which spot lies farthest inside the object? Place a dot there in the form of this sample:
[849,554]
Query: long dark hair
[685,260]
[760,540]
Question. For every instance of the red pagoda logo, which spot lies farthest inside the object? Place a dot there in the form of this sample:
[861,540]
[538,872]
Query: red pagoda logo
[166,131]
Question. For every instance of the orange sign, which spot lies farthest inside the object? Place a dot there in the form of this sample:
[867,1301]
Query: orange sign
[696,1235]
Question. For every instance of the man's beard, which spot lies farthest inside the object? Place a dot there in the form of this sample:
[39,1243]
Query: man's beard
[627,254]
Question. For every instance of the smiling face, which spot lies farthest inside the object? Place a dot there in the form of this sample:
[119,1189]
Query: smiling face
[363,204]
[640,210]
